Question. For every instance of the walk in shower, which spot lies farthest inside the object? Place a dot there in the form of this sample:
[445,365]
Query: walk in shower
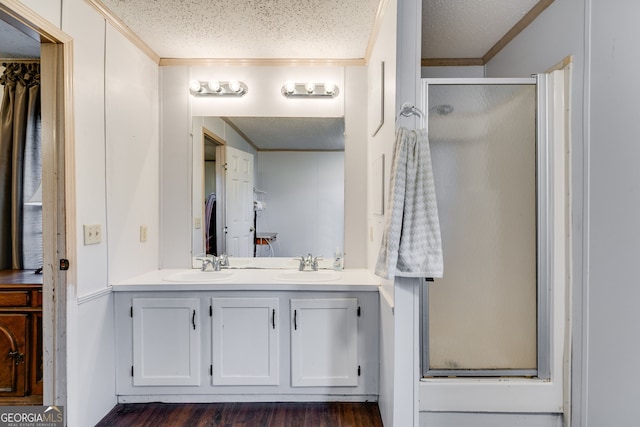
[482,317]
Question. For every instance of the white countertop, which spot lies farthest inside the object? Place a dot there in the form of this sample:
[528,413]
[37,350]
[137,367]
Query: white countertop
[252,279]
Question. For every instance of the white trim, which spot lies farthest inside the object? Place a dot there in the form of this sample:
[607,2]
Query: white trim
[231,397]
[480,81]
[94,295]
[384,294]
[511,395]
[580,360]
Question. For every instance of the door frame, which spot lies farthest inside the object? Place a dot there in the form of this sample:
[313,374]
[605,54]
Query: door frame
[58,182]
[220,188]
[543,240]
[531,395]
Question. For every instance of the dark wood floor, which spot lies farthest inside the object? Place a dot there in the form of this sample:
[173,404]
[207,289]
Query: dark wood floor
[314,414]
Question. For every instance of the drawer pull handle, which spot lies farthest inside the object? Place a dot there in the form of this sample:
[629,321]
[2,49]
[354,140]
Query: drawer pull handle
[273,318]
[295,319]
[17,357]
[193,320]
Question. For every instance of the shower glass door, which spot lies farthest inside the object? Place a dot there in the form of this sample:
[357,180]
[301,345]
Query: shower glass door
[481,318]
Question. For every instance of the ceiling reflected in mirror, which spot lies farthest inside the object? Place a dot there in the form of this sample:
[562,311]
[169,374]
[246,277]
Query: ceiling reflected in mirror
[14,44]
[291,133]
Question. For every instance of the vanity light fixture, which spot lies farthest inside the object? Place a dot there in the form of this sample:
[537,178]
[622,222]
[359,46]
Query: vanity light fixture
[310,89]
[217,88]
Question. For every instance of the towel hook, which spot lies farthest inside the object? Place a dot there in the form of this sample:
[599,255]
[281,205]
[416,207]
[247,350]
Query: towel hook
[407,110]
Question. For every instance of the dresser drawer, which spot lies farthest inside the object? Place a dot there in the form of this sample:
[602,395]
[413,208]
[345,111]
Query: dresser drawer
[14,299]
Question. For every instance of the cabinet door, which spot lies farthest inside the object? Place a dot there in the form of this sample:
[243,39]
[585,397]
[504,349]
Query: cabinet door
[245,341]
[166,341]
[13,338]
[324,342]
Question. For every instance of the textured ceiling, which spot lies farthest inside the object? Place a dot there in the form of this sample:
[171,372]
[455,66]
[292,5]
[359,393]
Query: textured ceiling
[250,28]
[467,28]
[294,29]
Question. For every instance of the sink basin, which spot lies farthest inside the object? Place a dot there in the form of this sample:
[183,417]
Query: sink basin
[308,276]
[199,276]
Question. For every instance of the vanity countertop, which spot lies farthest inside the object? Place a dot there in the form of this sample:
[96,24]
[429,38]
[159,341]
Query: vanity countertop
[240,279]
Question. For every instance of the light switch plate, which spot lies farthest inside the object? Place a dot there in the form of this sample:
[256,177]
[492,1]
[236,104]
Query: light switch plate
[197,223]
[92,234]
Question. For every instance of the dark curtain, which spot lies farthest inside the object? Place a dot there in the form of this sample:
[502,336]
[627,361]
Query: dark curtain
[20,166]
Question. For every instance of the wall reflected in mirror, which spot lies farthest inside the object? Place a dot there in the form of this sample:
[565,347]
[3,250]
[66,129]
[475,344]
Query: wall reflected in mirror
[297,205]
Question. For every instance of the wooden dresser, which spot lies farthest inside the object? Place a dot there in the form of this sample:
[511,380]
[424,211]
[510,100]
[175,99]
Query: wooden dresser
[21,371]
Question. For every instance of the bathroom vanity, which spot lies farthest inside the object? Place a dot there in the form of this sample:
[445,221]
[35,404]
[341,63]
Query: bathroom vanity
[247,333]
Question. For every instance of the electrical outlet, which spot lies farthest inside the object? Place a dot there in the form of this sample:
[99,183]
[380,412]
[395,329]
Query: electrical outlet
[92,234]
[197,223]
[143,233]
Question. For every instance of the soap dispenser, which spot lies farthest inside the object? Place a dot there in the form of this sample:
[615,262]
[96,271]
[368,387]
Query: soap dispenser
[338,260]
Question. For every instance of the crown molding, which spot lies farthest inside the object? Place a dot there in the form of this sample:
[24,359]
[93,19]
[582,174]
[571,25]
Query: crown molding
[258,62]
[375,30]
[517,29]
[450,62]
[123,29]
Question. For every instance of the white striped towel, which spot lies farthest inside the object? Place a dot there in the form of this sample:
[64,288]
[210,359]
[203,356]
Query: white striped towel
[411,244]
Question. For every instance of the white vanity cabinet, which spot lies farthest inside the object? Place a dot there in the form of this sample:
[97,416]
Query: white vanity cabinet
[324,342]
[166,341]
[244,341]
[250,342]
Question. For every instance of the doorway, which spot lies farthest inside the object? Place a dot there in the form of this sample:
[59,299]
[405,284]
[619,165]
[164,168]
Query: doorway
[223,198]
[58,238]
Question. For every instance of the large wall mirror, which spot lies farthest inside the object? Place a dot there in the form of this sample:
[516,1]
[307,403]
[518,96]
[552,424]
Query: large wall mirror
[292,173]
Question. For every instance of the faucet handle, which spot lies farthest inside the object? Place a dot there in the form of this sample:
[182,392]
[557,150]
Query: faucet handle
[206,262]
[224,260]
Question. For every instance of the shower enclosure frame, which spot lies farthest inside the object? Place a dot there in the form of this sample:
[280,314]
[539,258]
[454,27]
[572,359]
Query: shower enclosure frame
[544,243]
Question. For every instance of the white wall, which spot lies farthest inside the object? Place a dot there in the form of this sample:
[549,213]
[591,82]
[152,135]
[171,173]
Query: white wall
[132,158]
[381,144]
[611,287]
[305,201]
[115,96]
[176,168]
[612,127]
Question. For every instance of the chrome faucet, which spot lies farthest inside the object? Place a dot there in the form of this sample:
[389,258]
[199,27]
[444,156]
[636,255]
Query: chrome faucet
[309,261]
[214,262]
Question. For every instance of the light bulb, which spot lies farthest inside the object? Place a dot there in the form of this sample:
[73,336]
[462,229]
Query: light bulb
[214,85]
[310,87]
[234,85]
[330,87]
[289,86]
[194,85]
